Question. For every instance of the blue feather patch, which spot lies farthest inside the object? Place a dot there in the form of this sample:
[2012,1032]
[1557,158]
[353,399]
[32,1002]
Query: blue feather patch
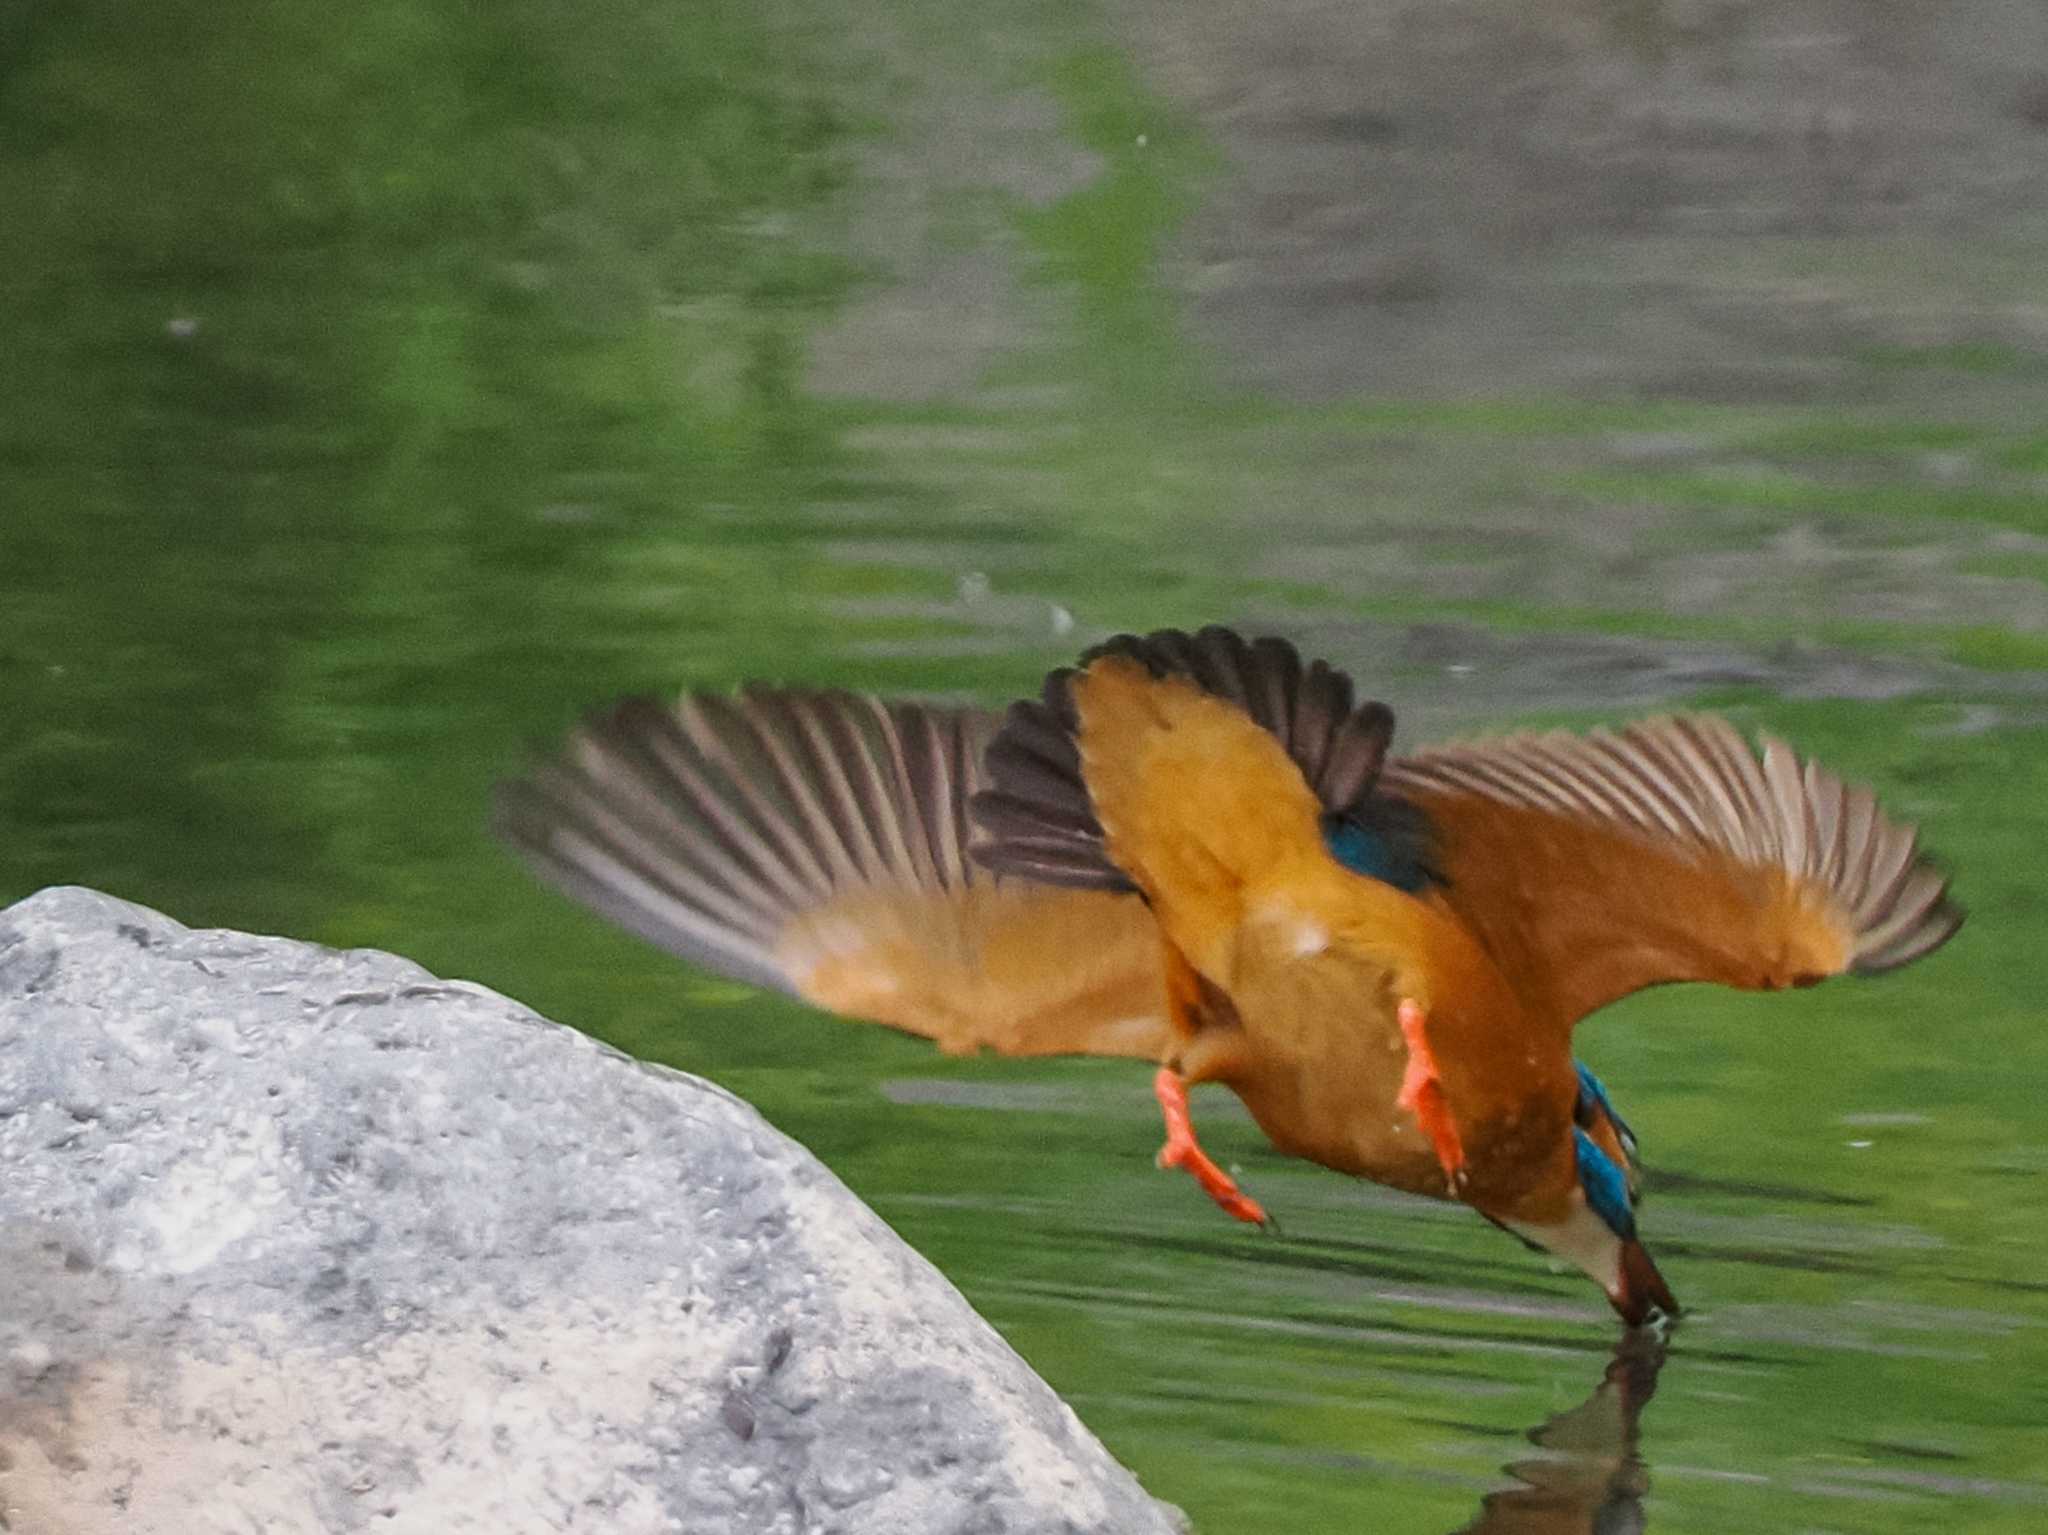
[1360,851]
[1384,839]
[1593,1095]
[1605,1185]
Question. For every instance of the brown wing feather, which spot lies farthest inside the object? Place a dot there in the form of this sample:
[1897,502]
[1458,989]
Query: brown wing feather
[818,843]
[1596,865]
[1006,966]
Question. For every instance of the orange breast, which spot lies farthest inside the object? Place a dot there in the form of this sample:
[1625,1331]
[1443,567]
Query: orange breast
[1329,1056]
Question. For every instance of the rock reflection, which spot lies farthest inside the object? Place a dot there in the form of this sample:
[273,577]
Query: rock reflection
[1589,1477]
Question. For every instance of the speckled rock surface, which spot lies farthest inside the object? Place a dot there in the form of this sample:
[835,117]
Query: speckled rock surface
[296,1239]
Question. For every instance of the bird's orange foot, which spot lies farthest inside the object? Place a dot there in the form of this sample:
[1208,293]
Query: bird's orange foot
[1422,1093]
[1181,1150]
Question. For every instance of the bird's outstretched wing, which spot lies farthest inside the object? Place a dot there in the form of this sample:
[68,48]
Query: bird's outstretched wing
[817,843]
[1594,865]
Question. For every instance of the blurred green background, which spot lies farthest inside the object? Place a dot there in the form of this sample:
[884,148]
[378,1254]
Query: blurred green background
[379,388]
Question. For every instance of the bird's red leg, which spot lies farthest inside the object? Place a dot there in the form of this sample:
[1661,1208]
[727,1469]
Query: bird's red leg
[1181,1150]
[1422,1092]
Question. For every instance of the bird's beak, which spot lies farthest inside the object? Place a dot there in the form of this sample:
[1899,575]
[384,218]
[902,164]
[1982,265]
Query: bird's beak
[1640,1291]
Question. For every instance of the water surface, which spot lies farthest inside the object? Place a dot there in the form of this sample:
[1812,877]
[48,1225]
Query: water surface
[381,392]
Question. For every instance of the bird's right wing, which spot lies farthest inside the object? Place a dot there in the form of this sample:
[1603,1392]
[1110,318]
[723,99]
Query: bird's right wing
[817,843]
[1594,865]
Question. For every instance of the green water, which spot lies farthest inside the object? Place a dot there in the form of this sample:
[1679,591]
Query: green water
[379,391]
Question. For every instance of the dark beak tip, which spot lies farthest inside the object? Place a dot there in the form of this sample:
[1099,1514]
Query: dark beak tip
[1642,1293]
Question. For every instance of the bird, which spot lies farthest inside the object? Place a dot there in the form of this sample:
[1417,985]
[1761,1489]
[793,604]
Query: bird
[1198,851]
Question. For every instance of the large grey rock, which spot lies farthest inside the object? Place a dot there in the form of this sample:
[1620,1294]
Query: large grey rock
[294,1239]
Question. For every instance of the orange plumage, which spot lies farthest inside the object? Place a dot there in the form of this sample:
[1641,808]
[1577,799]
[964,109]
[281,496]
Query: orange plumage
[1195,850]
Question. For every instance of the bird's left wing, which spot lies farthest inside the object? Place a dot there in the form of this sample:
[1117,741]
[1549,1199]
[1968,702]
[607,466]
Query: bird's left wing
[1595,865]
[817,843]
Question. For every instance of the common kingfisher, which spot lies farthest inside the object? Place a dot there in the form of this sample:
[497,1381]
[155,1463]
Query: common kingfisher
[1196,851]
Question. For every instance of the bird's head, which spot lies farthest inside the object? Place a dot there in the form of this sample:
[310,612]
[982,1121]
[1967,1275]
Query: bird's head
[1597,1229]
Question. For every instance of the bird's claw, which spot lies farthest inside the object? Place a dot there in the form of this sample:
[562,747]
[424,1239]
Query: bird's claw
[1422,1094]
[1183,1151]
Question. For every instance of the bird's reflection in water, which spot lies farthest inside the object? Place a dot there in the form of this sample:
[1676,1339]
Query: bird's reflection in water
[1589,1477]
